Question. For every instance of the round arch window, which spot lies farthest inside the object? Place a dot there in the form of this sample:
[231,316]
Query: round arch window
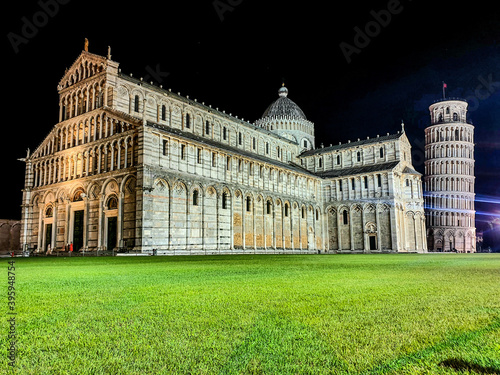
[112,203]
[78,196]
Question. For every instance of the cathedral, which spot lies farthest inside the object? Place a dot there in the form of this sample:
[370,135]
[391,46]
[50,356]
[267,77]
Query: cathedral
[131,166]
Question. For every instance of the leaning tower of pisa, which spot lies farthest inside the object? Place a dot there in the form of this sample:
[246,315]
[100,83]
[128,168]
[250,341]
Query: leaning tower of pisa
[449,178]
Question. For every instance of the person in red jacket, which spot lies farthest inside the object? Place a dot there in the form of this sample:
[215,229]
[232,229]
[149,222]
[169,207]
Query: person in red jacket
[71,247]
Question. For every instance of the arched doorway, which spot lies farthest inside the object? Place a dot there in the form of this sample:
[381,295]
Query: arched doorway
[78,220]
[371,235]
[111,222]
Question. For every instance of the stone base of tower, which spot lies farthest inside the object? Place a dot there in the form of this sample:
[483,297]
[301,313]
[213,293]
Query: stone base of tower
[451,239]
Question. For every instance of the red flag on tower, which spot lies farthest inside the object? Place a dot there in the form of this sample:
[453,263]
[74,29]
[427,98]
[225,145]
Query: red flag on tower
[445,86]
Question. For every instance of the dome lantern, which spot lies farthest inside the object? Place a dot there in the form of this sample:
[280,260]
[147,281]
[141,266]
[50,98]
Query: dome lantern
[283,91]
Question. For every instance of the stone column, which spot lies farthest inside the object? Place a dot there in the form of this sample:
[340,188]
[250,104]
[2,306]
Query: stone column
[131,152]
[126,152]
[390,183]
[415,225]
[393,225]
[403,229]
[188,213]
[326,240]
[100,222]
[264,223]
[98,101]
[169,236]
[40,227]
[112,163]
[94,97]
[231,222]
[424,237]
[87,101]
[283,225]
[75,105]
[119,224]
[202,225]
[339,236]
[67,223]
[61,105]
[299,215]
[254,226]
[35,179]
[379,232]
[87,163]
[85,221]
[365,235]
[27,208]
[351,232]
[98,156]
[243,210]
[291,227]
[105,97]
[54,226]
[274,226]
[106,126]
[218,202]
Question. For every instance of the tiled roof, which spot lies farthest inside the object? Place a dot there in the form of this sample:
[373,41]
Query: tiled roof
[410,171]
[361,142]
[358,170]
[283,107]
[234,151]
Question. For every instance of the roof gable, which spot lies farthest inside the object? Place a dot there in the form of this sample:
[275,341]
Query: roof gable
[50,143]
[85,66]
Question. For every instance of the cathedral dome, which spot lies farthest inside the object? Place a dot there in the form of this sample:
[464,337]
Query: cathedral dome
[283,107]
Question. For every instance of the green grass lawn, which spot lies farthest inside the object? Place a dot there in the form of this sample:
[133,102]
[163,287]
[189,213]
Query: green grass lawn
[261,314]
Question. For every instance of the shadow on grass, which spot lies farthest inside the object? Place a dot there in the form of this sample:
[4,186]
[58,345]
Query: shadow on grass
[461,365]
[452,342]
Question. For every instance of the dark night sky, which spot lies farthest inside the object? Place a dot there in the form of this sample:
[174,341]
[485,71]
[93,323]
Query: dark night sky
[236,59]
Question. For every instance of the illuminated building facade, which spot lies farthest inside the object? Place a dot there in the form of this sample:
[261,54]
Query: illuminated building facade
[132,166]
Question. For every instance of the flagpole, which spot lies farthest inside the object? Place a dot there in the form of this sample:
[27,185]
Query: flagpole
[444,87]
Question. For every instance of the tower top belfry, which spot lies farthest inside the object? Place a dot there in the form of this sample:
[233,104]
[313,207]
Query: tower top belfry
[448,110]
